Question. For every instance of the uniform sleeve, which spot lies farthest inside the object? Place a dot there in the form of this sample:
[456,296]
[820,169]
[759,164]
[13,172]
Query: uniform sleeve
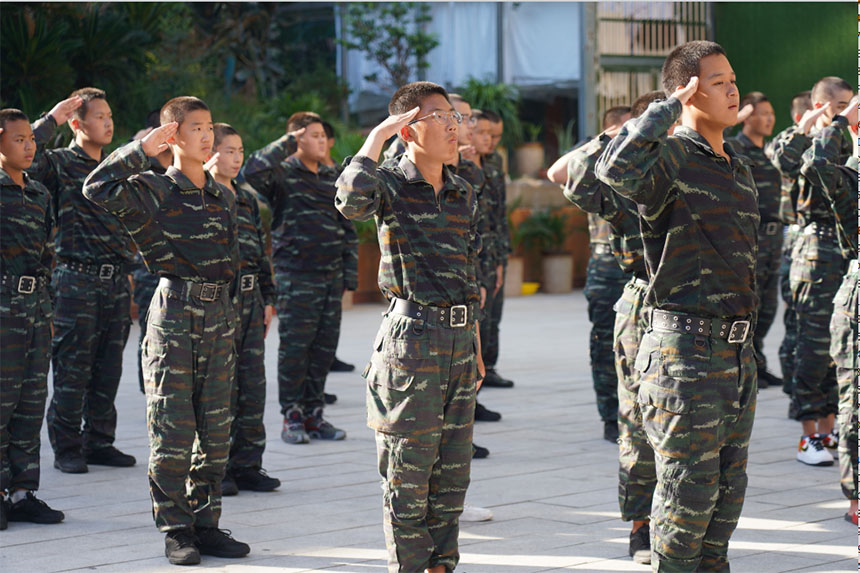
[641,162]
[474,249]
[47,258]
[786,152]
[360,189]
[267,284]
[487,254]
[583,188]
[350,254]
[45,168]
[260,171]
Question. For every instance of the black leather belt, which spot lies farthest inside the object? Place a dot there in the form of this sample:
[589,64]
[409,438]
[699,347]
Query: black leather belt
[735,332]
[458,316]
[204,292]
[601,249]
[771,228]
[247,282]
[24,284]
[106,272]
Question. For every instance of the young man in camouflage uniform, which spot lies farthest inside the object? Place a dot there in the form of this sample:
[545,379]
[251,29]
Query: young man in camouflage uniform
[315,252]
[822,165]
[750,142]
[25,321]
[421,380]
[255,293]
[184,224]
[800,104]
[698,212]
[91,319]
[817,269]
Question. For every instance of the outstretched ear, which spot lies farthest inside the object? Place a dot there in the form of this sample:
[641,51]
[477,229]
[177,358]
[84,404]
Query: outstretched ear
[797,117]
[406,133]
[74,124]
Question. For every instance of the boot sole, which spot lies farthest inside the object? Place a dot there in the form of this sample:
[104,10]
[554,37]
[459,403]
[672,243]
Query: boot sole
[190,559]
[290,440]
[318,436]
[83,470]
[224,555]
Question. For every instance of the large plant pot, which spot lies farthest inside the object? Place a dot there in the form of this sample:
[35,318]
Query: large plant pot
[557,274]
[530,158]
[514,277]
[368,271]
[577,242]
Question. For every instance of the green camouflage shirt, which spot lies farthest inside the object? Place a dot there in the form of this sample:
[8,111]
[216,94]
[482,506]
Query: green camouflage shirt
[308,233]
[497,199]
[27,223]
[698,212]
[474,176]
[86,233]
[767,178]
[587,192]
[429,242]
[253,239]
[824,168]
[181,231]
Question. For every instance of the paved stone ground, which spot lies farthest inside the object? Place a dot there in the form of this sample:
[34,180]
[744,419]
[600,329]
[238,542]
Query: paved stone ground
[550,480]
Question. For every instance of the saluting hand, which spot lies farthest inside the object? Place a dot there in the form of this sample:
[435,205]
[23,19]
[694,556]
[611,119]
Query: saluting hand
[392,124]
[850,112]
[156,140]
[468,152]
[210,165]
[298,133]
[685,93]
[64,110]
[810,117]
[745,112]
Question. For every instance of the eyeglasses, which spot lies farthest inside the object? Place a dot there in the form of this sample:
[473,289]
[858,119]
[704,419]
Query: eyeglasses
[441,117]
[470,121]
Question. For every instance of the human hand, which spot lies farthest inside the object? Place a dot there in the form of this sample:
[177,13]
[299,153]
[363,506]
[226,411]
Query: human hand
[612,131]
[745,112]
[483,296]
[850,111]
[156,140]
[392,124]
[500,278]
[213,161]
[63,111]
[267,318]
[808,119]
[297,133]
[469,152]
[141,134]
[685,93]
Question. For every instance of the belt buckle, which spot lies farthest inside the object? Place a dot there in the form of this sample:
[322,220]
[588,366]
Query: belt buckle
[771,228]
[459,323]
[247,283]
[26,284]
[106,272]
[746,326]
[208,288]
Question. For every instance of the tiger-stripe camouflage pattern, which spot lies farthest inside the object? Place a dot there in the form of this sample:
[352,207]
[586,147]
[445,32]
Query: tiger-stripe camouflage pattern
[188,234]
[699,218]
[486,269]
[789,317]
[496,198]
[25,328]
[145,284]
[421,380]
[768,182]
[247,432]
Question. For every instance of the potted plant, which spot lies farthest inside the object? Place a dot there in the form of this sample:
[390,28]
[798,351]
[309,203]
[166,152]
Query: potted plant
[530,155]
[515,269]
[368,263]
[547,230]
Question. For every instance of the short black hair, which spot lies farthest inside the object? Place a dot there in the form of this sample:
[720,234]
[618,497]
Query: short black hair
[753,98]
[612,116]
[801,103]
[412,95]
[827,87]
[329,130]
[478,114]
[642,102]
[176,108]
[682,63]
[302,119]
[12,114]
[221,131]
[87,95]
[492,116]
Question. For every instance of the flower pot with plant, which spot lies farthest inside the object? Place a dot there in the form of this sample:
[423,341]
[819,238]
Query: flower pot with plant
[548,230]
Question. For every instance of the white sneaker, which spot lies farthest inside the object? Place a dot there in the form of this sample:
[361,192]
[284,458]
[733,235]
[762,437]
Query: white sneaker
[474,513]
[812,452]
[831,443]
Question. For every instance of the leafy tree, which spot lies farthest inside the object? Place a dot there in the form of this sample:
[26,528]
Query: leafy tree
[391,34]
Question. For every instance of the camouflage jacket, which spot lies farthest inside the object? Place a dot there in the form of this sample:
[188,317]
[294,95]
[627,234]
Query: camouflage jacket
[767,177]
[810,203]
[308,233]
[587,192]
[180,230]
[253,240]
[395,150]
[698,214]
[86,233]
[474,176]
[27,223]
[429,242]
[497,200]
[823,167]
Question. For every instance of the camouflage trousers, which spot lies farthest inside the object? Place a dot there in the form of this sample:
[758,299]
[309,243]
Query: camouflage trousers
[789,317]
[421,401]
[697,396]
[248,401]
[309,313]
[91,325]
[604,283]
[25,354]
[489,325]
[843,349]
[767,288]
[189,363]
[636,473]
[817,269]
[144,287]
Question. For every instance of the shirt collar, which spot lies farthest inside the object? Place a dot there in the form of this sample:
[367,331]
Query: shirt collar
[702,143]
[79,151]
[410,171]
[184,183]
[5,179]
